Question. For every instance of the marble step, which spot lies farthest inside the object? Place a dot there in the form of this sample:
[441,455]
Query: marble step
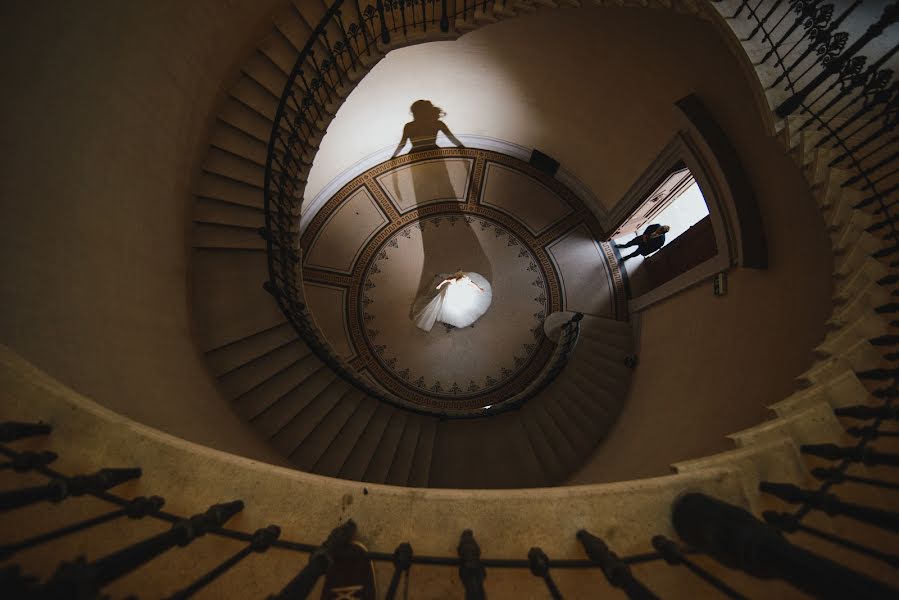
[240,380]
[309,417]
[213,185]
[219,235]
[401,465]
[213,211]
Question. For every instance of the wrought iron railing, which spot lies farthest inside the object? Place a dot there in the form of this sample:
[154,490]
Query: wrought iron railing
[727,533]
[838,85]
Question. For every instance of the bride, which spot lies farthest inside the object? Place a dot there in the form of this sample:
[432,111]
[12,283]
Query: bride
[460,300]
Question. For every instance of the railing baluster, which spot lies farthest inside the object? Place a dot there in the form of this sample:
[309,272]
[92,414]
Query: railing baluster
[671,552]
[11,431]
[300,586]
[616,570]
[87,579]
[61,488]
[138,508]
[736,539]
[539,564]
[471,571]
[262,541]
[862,455]
[402,560]
[890,16]
[23,462]
[832,505]
[789,523]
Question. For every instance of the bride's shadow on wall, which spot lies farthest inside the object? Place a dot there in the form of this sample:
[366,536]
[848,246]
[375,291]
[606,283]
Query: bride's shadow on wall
[431,182]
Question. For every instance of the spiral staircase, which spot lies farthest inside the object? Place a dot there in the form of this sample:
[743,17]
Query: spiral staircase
[326,425]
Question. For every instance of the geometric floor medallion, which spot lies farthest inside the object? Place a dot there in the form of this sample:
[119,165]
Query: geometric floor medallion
[384,240]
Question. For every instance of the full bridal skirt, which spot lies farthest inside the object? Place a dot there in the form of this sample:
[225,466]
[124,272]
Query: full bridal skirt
[457,303]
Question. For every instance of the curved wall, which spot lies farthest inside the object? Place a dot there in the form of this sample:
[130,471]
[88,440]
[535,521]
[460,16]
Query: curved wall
[106,105]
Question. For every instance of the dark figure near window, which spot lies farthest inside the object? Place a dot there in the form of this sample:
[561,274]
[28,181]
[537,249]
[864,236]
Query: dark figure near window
[652,238]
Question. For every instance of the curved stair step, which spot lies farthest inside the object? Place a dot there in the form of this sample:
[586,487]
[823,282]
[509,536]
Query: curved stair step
[264,395]
[401,465]
[366,444]
[243,378]
[479,453]
[386,449]
[213,185]
[772,460]
[341,446]
[231,356]
[293,434]
[226,237]
[420,471]
[814,425]
[322,437]
[228,305]
[231,139]
[285,409]
[220,212]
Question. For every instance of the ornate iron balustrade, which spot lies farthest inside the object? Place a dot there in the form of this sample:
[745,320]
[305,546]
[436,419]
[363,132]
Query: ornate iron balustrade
[852,100]
[725,532]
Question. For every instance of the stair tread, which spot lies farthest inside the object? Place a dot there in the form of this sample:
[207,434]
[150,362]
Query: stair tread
[255,401]
[361,454]
[385,451]
[341,447]
[288,408]
[316,444]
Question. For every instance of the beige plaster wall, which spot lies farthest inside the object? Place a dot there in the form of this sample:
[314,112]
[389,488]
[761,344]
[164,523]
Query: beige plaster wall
[595,88]
[592,87]
[104,111]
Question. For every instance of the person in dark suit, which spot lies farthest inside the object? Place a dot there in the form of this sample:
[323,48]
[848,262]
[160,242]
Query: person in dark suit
[652,238]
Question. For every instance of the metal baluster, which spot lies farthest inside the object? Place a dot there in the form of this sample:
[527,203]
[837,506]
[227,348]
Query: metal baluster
[319,562]
[789,523]
[385,34]
[22,462]
[137,508]
[890,16]
[671,552]
[471,571]
[865,412]
[80,579]
[444,17]
[262,541]
[11,431]
[832,505]
[764,19]
[539,564]
[61,488]
[402,560]
[803,12]
[616,570]
[736,539]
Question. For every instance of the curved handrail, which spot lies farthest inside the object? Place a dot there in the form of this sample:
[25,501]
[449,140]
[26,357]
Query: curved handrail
[313,89]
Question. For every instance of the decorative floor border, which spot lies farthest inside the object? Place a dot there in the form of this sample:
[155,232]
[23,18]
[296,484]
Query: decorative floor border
[369,359]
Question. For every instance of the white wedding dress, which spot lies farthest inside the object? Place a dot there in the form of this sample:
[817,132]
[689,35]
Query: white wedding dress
[458,303]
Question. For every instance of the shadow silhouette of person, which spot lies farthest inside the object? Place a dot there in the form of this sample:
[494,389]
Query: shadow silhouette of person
[422,130]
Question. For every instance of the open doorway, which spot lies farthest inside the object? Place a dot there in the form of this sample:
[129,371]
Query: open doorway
[668,233]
